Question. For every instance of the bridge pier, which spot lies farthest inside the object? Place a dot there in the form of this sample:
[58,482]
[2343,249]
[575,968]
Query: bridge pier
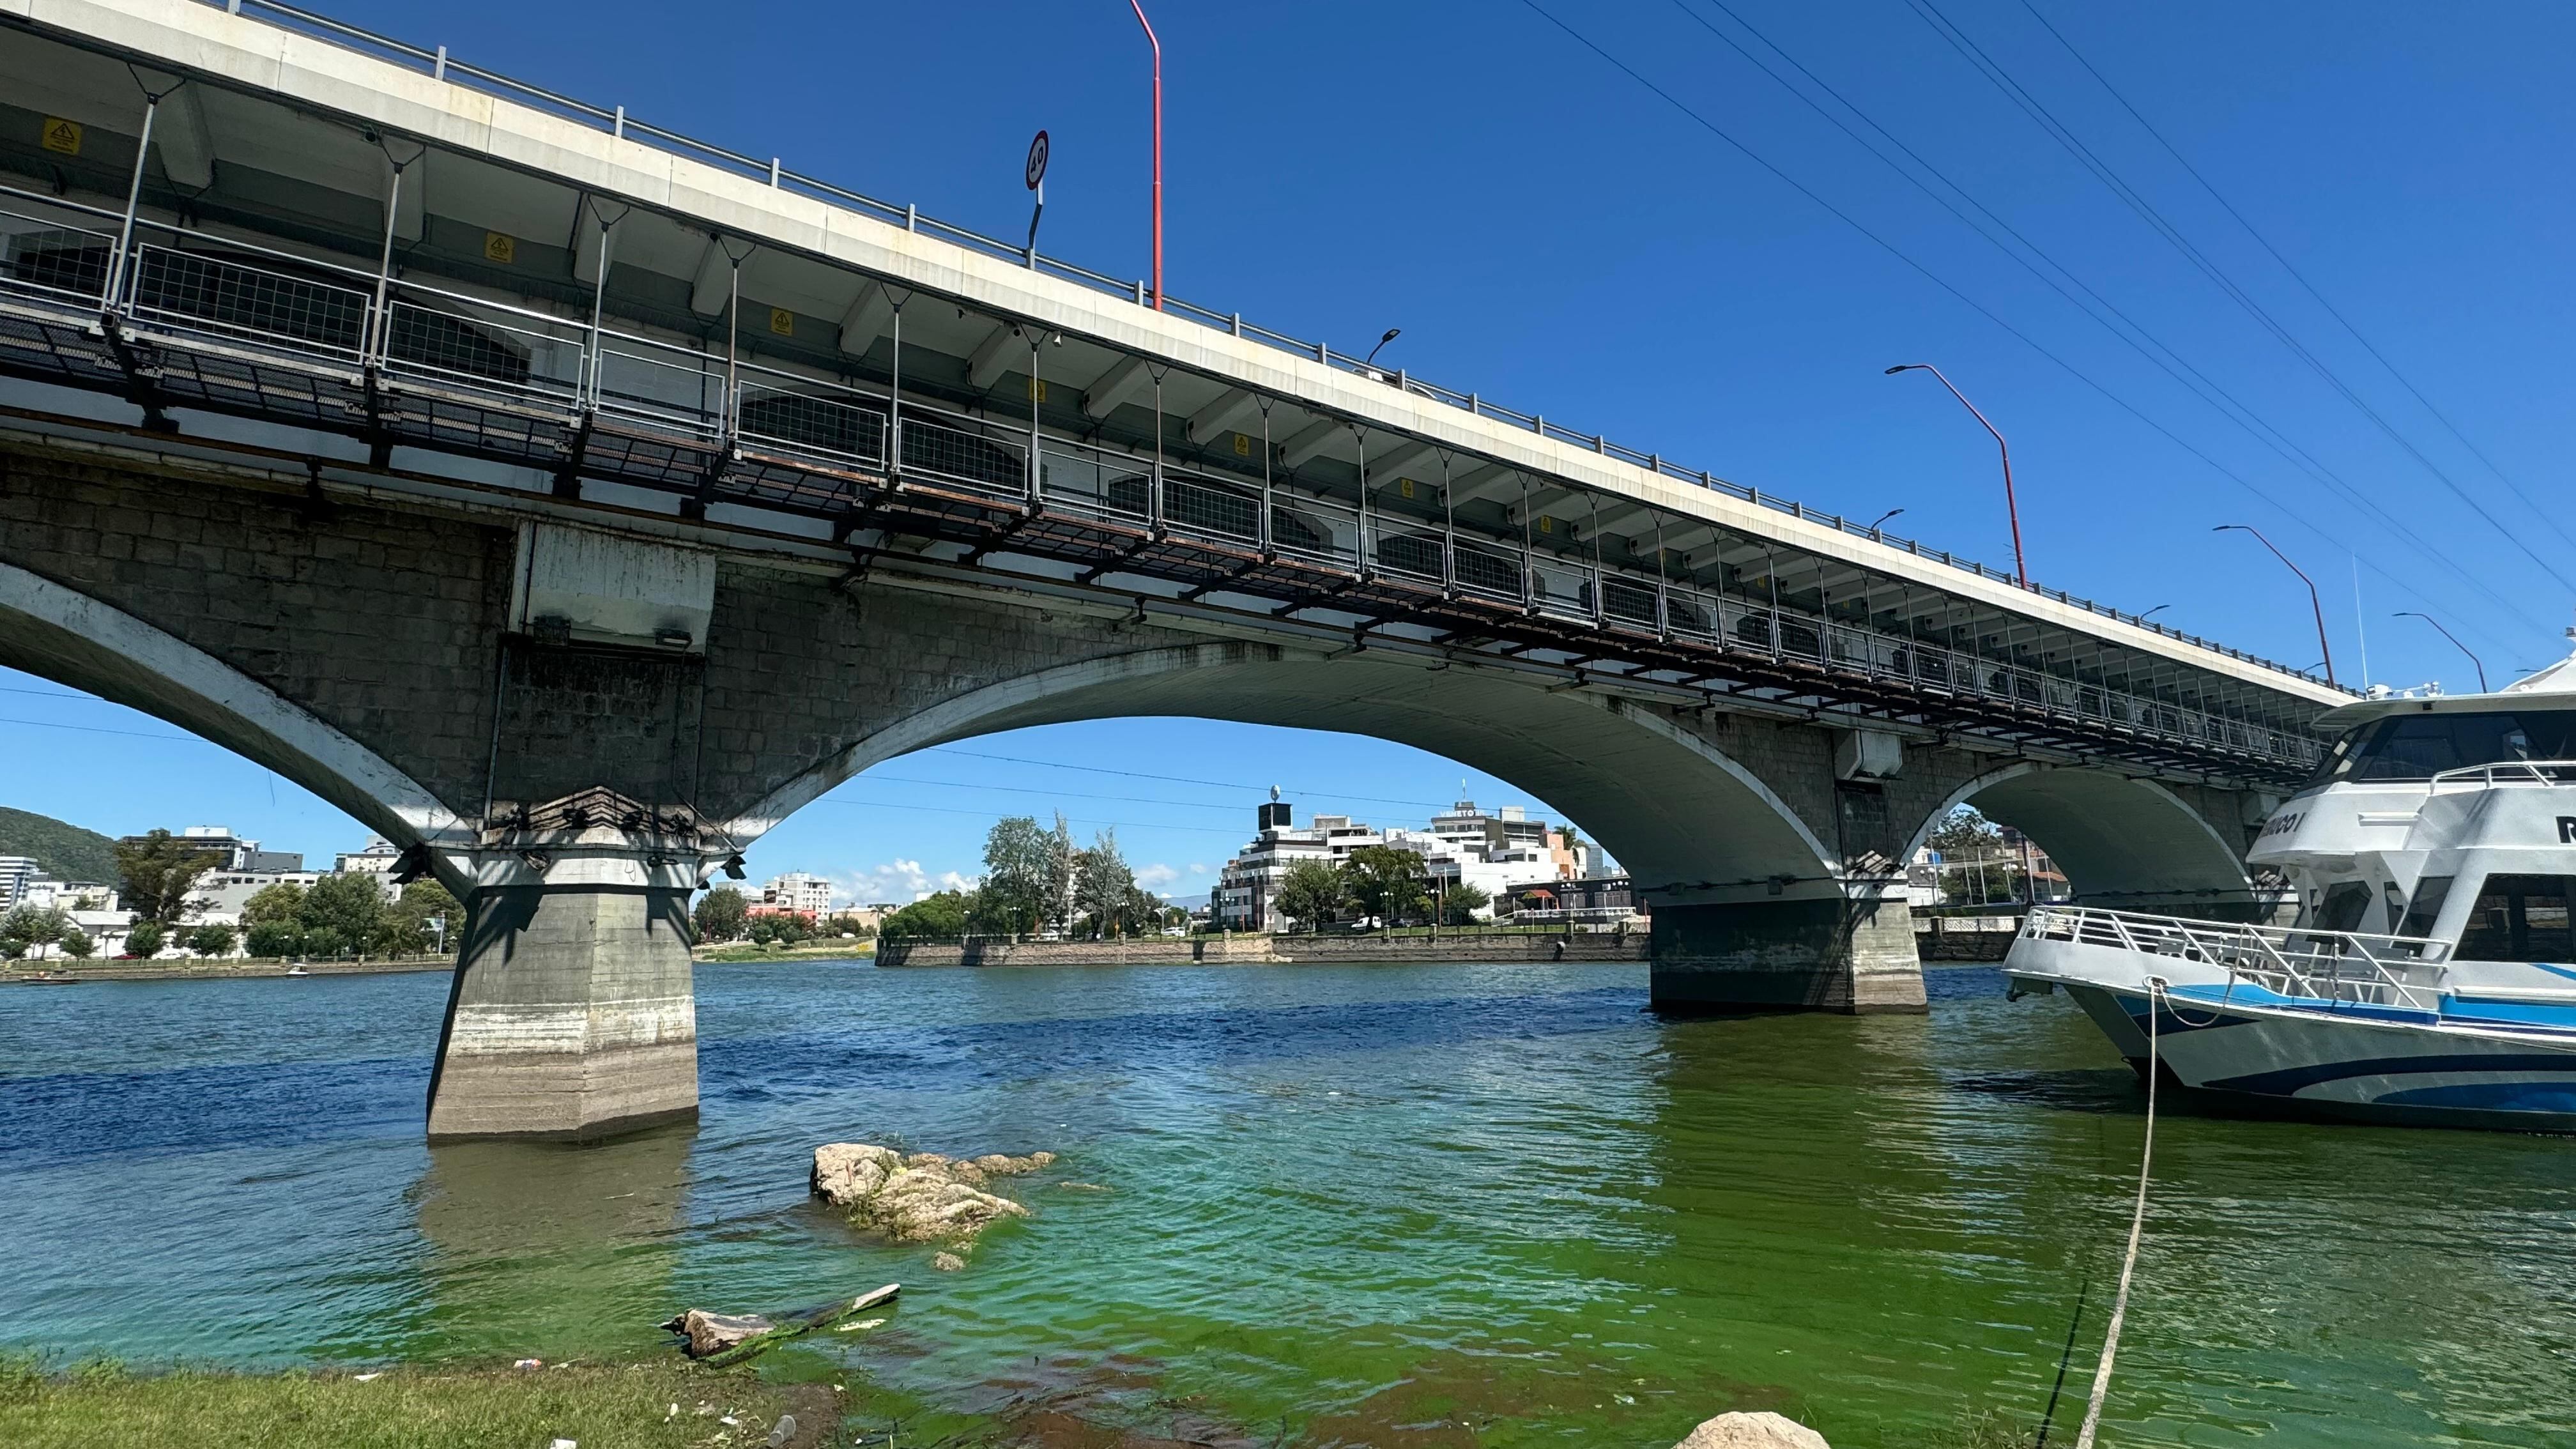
[572,1015]
[1835,953]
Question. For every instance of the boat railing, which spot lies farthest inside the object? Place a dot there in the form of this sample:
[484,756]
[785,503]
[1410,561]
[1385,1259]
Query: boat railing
[2354,967]
[2508,772]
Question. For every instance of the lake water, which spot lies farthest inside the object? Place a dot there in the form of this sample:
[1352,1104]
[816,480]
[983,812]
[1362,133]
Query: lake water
[1390,1206]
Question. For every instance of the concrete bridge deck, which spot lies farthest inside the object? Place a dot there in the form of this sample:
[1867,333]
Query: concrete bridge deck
[572,503]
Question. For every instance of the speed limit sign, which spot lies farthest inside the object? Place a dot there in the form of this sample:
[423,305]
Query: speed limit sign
[1037,160]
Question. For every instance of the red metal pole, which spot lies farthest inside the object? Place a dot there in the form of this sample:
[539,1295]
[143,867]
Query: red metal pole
[2012,508]
[1157,43]
[2315,603]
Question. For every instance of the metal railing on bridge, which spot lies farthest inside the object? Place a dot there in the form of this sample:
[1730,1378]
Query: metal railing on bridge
[614,121]
[114,301]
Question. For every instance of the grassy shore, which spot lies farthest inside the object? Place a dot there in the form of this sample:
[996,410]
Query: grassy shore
[651,1405]
[735,951]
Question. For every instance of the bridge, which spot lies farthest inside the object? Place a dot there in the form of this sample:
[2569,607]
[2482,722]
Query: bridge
[571,501]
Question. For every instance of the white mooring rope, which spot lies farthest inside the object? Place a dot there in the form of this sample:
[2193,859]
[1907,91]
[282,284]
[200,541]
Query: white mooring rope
[2137,1222]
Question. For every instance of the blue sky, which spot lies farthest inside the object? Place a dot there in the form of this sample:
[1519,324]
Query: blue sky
[1551,232]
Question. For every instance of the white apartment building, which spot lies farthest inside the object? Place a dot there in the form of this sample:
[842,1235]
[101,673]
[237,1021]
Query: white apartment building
[796,891]
[1463,845]
[17,873]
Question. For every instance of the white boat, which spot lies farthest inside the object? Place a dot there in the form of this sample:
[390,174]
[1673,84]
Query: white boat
[2430,975]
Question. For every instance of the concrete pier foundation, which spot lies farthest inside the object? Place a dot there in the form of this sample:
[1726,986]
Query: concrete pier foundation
[572,1016]
[1831,954]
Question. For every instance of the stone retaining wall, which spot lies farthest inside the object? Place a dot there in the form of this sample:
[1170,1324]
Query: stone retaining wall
[1964,938]
[1265,950]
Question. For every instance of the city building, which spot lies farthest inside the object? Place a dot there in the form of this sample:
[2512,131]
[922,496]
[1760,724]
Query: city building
[1463,846]
[231,851]
[1595,901]
[17,873]
[379,858]
[221,895]
[795,893]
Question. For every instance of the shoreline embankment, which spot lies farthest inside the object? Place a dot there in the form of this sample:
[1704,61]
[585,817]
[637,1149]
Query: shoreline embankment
[1937,940]
[199,969]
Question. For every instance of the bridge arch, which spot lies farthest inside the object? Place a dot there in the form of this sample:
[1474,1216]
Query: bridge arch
[66,636]
[2123,842]
[1669,804]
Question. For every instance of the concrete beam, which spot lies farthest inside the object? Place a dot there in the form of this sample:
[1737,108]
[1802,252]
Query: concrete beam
[1403,461]
[994,357]
[1114,387]
[1310,441]
[712,289]
[583,242]
[1544,501]
[1628,520]
[866,320]
[1221,415]
[187,145]
[1491,480]
[1690,538]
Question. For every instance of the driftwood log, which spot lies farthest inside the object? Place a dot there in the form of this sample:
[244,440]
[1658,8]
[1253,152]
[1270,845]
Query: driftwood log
[718,1339]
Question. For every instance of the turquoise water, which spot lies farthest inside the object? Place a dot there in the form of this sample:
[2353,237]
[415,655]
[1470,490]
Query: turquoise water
[1373,1205]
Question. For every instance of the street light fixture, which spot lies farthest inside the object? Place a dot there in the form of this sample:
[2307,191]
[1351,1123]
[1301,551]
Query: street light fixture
[1882,518]
[2313,601]
[2151,613]
[2012,509]
[1155,41]
[1392,333]
[2455,643]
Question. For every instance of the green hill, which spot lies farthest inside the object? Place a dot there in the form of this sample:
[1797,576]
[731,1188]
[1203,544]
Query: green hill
[66,852]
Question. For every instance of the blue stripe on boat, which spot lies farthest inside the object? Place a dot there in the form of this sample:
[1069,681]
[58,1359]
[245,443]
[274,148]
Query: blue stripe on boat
[2490,1096]
[2289,1080]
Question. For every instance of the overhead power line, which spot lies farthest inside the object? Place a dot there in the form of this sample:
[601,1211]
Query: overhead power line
[2305,520]
[2546,516]
[2144,342]
[2030,105]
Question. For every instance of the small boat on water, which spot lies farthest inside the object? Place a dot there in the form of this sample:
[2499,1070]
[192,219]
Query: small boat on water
[297,971]
[50,978]
[2430,975]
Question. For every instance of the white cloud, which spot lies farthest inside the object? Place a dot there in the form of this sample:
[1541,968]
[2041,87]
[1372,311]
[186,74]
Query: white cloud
[897,881]
[1197,869]
[1157,876]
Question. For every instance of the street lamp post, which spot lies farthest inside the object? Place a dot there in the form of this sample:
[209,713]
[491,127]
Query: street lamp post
[1882,518]
[2012,509]
[1156,42]
[2455,643]
[2313,601]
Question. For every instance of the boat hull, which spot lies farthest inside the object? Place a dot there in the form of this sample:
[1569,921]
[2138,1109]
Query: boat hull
[2368,1065]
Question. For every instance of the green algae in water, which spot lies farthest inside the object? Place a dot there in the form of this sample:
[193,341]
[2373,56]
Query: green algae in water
[1392,1206]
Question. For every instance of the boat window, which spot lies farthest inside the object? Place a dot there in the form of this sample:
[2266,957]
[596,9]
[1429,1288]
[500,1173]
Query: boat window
[2343,906]
[2430,893]
[2419,746]
[2520,918]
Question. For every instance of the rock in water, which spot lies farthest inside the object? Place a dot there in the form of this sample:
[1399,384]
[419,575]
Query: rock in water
[712,1333]
[847,1173]
[1753,1431]
[918,1198]
[947,1262]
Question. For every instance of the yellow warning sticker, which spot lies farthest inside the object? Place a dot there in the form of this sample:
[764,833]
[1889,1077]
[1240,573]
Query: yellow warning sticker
[782,321]
[498,247]
[1404,486]
[62,136]
[1546,524]
[1037,389]
[1242,446]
